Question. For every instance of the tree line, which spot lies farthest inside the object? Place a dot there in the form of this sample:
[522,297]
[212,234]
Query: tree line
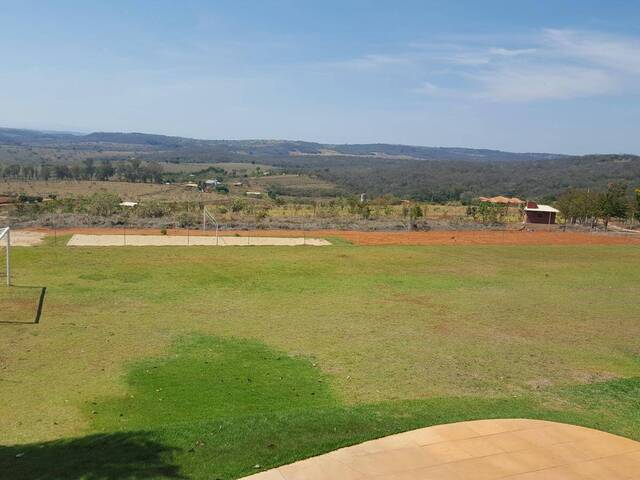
[132,170]
[588,207]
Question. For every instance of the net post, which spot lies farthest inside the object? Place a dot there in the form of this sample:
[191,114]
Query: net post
[5,234]
[205,214]
[8,257]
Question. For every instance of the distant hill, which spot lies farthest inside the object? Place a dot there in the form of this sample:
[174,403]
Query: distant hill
[17,136]
[454,179]
[266,147]
[438,173]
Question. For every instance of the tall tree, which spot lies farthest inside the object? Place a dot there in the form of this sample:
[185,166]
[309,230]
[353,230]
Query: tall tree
[45,172]
[105,170]
[614,203]
[61,172]
[89,168]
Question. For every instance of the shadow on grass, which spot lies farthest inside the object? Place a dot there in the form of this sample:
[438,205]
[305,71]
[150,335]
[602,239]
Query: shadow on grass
[41,292]
[96,457]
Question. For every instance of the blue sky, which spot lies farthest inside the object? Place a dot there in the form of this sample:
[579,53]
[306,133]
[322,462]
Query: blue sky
[559,76]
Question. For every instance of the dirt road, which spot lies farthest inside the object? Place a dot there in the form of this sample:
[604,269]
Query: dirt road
[485,237]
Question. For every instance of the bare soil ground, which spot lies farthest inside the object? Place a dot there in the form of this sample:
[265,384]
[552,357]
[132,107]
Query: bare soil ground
[490,237]
[24,238]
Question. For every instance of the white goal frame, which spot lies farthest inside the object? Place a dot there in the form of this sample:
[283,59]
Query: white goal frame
[206,214]
[5,233]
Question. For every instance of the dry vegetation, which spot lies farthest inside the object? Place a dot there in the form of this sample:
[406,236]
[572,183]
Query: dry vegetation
[126,190]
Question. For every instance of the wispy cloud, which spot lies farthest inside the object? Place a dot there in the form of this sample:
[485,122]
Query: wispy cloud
[367,62]
[618,53]
[511,52]
[530,83]
[550,64]
[553,64]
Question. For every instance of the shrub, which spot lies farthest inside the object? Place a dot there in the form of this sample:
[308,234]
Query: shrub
[187,219]
[238,205]
[102,204]
[152,209]
[261,214]
[489,213]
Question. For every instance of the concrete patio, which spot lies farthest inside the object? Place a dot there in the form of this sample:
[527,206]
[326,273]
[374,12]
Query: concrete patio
[511,449]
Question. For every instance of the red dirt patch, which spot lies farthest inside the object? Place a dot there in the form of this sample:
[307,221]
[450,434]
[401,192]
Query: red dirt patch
[393,238]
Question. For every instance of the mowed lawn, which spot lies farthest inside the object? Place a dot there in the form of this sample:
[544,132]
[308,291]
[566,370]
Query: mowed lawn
[198,362]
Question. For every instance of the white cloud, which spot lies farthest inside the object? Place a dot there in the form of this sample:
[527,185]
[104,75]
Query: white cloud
[367,62]
[469,58]
[554,64]
[511,52]
[429,88]
[531,83]
[616,52]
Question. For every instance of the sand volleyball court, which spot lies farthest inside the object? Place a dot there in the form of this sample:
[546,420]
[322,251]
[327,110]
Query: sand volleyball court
[82,240]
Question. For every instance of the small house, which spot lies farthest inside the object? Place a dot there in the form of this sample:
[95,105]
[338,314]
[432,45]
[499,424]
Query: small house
[538,213]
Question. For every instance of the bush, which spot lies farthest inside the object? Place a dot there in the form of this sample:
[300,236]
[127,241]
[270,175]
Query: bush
[102,204]
[489,213]
[238,205]
[187,219]
[261,214]
[152,209]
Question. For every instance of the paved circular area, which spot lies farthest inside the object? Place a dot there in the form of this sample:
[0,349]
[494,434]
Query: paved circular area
[511,449]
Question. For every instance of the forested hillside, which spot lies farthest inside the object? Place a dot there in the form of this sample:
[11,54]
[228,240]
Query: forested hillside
[448,180]
[424,173]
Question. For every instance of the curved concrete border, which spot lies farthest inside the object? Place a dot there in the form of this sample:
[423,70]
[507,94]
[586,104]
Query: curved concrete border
[513,449]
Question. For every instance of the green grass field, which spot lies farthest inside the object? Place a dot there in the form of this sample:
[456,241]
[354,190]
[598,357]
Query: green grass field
[204,363]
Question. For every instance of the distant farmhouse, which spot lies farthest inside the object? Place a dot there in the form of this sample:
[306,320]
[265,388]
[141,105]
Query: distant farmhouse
[538,213]
[533,212]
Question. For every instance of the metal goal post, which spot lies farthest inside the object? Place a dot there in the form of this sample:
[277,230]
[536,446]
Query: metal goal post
[206,215]
[5,236]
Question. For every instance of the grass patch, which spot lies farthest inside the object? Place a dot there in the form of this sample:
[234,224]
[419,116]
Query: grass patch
[224,408]
[19,304]
[462,332]
[207,378]
[339,241]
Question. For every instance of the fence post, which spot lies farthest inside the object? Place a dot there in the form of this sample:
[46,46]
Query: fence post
[8,259]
